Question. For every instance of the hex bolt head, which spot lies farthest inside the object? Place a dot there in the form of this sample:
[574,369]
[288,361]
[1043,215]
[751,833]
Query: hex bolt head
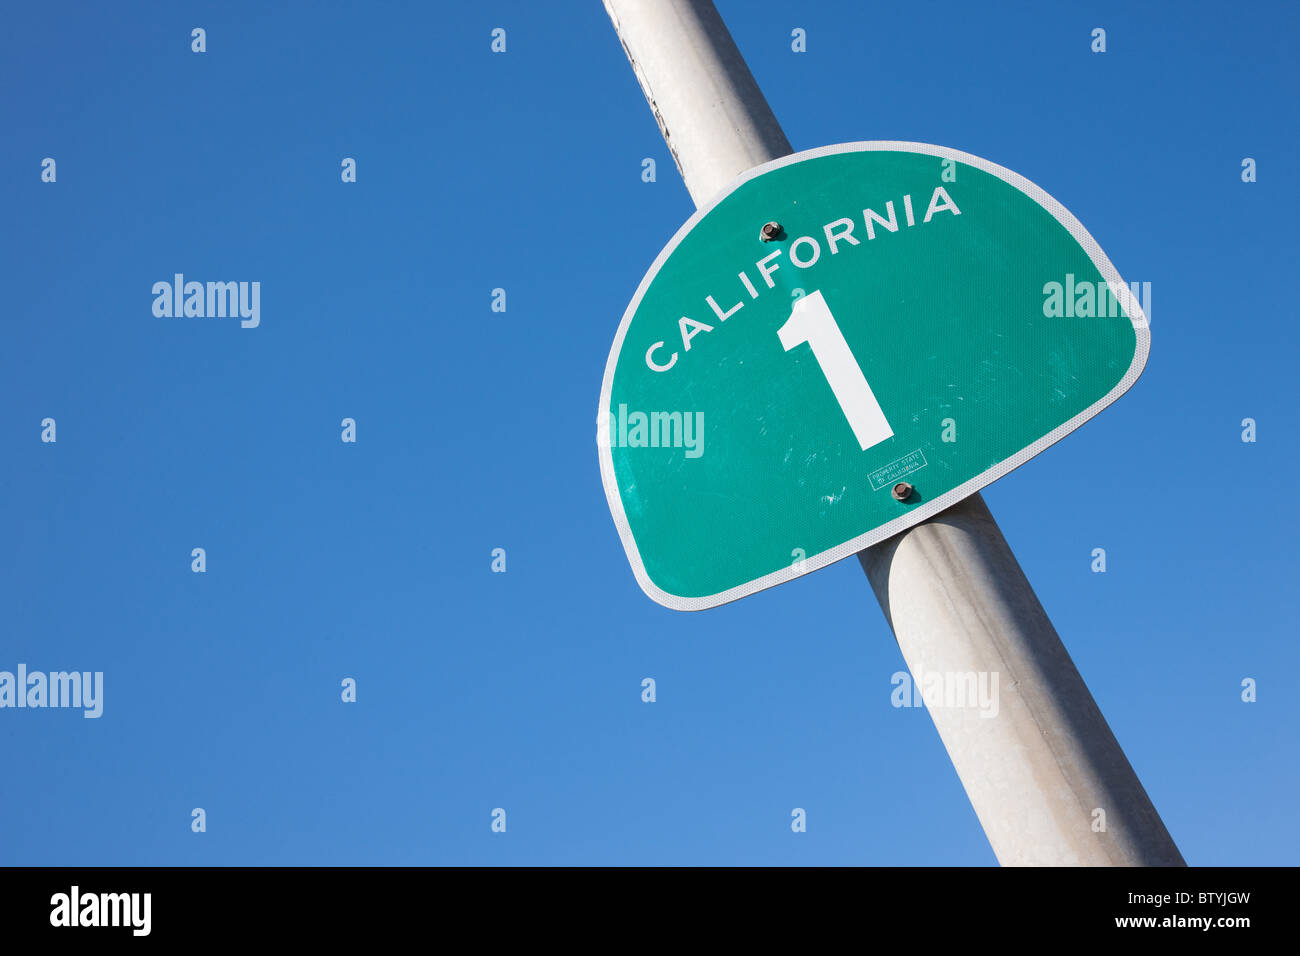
[902,491]
[770,232]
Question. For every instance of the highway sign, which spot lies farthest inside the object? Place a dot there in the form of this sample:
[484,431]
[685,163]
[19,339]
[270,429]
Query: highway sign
[843,343]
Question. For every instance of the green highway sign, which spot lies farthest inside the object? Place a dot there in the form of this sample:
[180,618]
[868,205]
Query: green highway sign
[844,343]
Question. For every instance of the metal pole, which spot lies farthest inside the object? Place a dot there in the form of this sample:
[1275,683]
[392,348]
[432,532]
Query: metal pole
[1040,771]
[709,108]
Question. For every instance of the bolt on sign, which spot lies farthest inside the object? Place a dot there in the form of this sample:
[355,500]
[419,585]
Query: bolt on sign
[845,342]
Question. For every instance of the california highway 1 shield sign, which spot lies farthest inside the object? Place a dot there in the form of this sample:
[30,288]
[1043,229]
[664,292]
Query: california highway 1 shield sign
[847,341]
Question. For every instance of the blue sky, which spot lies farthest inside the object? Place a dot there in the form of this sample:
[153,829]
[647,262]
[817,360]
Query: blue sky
[475,430]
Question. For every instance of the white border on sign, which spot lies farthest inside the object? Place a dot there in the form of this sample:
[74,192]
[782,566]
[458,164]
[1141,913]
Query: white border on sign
[1118,288]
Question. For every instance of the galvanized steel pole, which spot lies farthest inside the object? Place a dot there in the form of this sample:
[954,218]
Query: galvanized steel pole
[1038,773]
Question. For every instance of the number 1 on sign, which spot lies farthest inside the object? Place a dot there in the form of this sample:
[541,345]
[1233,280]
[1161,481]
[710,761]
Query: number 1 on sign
[811,321]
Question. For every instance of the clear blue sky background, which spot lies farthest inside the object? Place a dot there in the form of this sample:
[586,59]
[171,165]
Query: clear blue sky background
[476,431]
